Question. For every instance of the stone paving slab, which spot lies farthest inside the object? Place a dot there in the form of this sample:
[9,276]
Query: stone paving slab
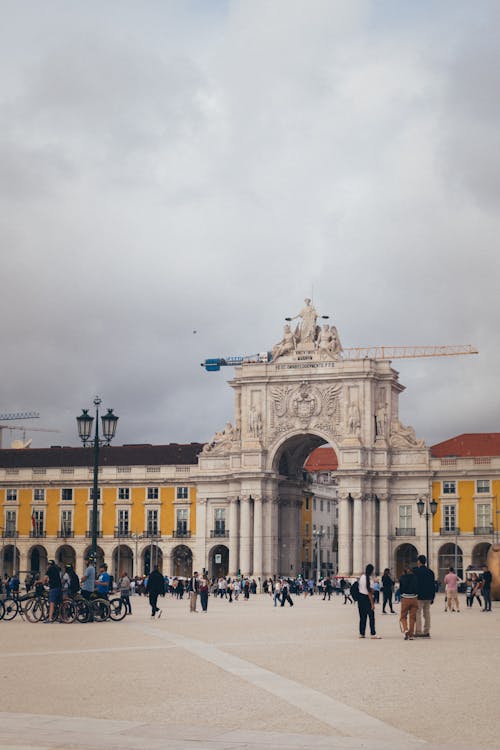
[251,676]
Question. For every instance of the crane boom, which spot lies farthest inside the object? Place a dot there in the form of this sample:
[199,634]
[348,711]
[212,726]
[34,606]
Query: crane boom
[20,415]
[353,353]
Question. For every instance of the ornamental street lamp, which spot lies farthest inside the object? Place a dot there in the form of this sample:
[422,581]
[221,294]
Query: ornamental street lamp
[318,535]
[84,422]
[421,506]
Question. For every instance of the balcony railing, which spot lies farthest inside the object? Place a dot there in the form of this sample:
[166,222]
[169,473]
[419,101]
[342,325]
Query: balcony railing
[10,534]
[219,533]
[122,534]
[449,532]
[38,534]
[65,534]
[400,531]
[483,530]
[149,534]
[181,534]
[88,534]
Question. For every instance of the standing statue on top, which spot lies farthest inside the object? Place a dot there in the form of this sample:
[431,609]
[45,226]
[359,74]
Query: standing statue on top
[306,331]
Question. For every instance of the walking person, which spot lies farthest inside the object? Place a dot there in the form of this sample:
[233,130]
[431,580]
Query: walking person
[155,587]
[426,593]
[451,590]
[366,603]
[486,588]
[53,579]
[327,588]
[124,589]
[476,590]
[203,590]
[277,593]
[408,586]
[193,589]
[285,594]
[387,589]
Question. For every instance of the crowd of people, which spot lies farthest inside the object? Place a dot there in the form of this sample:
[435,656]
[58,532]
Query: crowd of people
[415,591]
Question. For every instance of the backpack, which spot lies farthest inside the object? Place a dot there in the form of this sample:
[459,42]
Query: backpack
[355,591]
[74,583]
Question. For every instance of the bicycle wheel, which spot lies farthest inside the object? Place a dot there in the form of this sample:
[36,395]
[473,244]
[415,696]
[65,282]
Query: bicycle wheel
[11,608]
[67,611]
[83,610]
[33,610]
[117,609]
[100,608]
[2,610]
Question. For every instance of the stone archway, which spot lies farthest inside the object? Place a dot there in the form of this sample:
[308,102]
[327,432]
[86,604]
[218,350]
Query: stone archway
[301,393]
[182,561]
[11,559]
[479,555]
[218,565]
[37,559]
[65,555]
[404,555]
[151,556]
[450,554]
[123,561]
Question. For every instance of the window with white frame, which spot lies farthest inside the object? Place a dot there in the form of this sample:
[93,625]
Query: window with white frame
[67,494]
[37,522]
[10,522]
[182,520]
[11,495]
[450,487]
[152,522]
[220,521]
[483,512]
[153,493]
[483,486]
[91,516]
[405,516]
[66,522]
[307,529]
[307,502]
[449,517]
[182,493]
[123,521]
[123,493]
[321,504]
[91,493]
[38,495]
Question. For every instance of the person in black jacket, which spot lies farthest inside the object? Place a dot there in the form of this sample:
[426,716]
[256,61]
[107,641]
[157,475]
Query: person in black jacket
[387,589]
[426,592]
[155,587]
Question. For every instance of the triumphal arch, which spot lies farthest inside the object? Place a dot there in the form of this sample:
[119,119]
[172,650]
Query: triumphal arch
[304,393]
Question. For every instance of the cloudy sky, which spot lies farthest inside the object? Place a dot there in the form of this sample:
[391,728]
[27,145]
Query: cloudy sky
[203,165]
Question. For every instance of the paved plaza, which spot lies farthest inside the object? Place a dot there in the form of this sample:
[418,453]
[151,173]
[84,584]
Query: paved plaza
[248,675]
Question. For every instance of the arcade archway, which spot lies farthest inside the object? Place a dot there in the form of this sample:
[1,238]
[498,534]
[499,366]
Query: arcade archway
[99,553]
[123,561]
[11,559]
[450,555]
[151,557]
[182,561]
[37,559]
[218,565]
[66,555]
[405,554]
[479,555]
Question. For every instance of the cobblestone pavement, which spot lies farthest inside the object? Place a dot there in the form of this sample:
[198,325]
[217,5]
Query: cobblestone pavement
[249,675]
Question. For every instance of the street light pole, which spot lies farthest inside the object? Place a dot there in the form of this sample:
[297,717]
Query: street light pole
[109,423]
[421,506]
[318,534]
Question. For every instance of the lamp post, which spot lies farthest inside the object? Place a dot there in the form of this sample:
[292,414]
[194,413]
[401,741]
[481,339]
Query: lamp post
[424,506]
[84,422]
[318,534]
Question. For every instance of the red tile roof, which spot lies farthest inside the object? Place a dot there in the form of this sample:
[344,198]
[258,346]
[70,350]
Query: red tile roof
[469,444]
[323,458]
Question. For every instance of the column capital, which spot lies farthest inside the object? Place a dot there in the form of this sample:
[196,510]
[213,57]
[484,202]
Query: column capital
[201,500]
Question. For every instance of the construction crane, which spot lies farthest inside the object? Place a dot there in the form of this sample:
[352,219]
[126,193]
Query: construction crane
[353,353]
[16,415]
[24,430]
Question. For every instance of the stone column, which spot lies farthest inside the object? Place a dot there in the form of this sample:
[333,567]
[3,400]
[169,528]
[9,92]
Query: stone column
[384,532]
[274,540]
[368,526]
[344,537]
[257,538]
[245,535]
[357,536]
[233,536]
